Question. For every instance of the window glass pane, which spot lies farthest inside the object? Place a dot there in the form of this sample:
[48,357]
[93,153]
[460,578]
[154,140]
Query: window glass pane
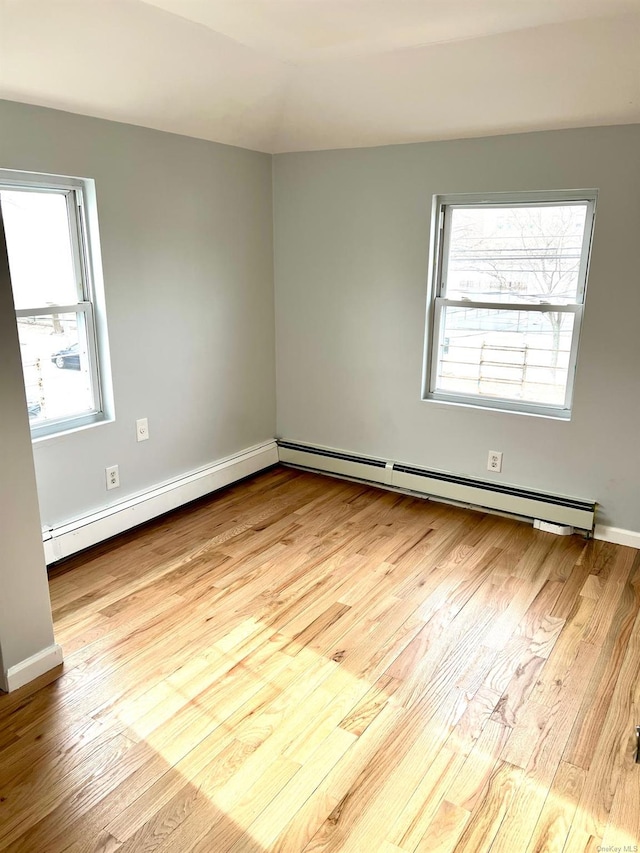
[513,355]
[39,246]
[516,254]
[55,363]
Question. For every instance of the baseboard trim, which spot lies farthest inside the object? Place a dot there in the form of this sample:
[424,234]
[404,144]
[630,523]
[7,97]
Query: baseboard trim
[65,540]
[617,535]
[25,671]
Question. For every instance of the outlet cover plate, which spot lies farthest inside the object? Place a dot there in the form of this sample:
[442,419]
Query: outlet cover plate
[112,476]
[494,462]
[142,429]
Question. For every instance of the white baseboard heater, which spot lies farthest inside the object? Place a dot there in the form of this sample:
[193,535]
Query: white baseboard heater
[498,497]
[81,533]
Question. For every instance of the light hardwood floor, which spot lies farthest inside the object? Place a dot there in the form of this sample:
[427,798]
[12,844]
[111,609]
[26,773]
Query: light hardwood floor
[306,664]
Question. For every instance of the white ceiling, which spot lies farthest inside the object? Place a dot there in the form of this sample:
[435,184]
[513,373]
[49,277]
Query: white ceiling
[285,75]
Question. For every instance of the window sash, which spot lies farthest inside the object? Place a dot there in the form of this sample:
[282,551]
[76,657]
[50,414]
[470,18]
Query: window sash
[445,236]
[496,401]
[85,310]
[75,220]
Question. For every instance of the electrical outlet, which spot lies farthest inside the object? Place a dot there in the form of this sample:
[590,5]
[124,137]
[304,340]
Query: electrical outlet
[142,429]
[113,477]
[494,462]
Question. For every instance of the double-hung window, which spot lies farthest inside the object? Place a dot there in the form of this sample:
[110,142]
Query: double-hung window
[509,281]
[50,266]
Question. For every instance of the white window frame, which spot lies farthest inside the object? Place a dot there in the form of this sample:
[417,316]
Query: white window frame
[75,191]
[438,301]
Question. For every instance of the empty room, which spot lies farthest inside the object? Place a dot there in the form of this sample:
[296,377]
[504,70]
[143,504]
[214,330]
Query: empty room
[319,418]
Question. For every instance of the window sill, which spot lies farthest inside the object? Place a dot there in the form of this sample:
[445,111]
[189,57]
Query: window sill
[500,409]
[71,430]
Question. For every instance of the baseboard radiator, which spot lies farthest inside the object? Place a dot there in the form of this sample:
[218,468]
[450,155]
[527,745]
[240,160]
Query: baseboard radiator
[497,497]
[67,539]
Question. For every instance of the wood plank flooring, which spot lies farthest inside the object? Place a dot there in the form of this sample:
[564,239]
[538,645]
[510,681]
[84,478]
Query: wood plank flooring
[307,665]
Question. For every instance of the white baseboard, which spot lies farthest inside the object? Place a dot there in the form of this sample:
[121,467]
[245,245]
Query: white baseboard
[617,535]
[67,539]
[25,671]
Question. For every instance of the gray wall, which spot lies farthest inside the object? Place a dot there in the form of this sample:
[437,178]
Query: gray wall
[351,246]
[25,612]
[186,234]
